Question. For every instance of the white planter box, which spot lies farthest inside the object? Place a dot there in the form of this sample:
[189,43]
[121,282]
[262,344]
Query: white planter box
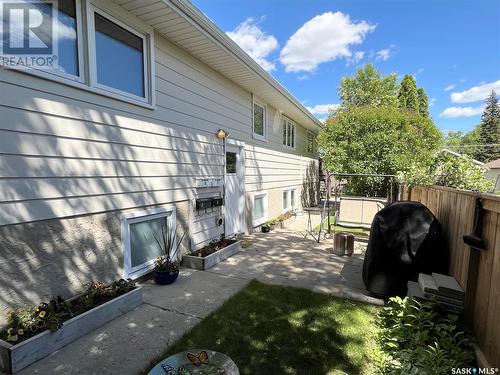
[14,358]
[204,263]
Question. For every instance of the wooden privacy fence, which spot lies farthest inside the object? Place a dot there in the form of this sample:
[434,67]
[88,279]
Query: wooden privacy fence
[478,272]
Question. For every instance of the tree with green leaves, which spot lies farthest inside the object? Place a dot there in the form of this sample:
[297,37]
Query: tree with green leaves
[489,131]
[465,143]
[453,140]
[378,140]
[408,94]
[369,88]
[423,103]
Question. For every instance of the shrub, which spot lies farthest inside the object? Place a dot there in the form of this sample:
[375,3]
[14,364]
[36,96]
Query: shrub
[415,338]
[460,173]
[457,172]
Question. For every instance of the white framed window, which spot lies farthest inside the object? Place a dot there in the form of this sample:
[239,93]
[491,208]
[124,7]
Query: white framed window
[111,43]
[67,18]
[310,141]
[259,120]
[259,208]
[140,248]
[95,63]
[289,198]
[289,133]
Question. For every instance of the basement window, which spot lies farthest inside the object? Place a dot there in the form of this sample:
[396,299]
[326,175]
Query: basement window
[259,208]
[289,199]
[139,233]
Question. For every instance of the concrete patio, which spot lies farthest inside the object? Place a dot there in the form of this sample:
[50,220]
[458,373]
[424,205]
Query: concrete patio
[126,345]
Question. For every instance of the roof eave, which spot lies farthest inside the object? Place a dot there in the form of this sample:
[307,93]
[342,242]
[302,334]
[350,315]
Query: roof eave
[215,32]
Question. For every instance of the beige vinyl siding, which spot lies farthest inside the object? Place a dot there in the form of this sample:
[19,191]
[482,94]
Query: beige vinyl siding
[66,151]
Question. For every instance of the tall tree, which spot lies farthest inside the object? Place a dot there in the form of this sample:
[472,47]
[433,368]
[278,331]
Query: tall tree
[369,88]
[423,103]
[382,140]
[489,131]
[408,94]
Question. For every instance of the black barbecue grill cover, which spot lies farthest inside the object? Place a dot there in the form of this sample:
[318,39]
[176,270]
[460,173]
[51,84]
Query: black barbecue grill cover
[405,240]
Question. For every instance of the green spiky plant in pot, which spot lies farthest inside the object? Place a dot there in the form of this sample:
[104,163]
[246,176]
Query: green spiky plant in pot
[166,268]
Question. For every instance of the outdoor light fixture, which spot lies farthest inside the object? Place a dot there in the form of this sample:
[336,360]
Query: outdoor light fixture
[221,134]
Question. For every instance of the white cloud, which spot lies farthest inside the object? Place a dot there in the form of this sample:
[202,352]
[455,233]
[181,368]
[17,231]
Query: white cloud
[324,38]
[323,109]
[355,58]
[421,70]
[385,53]
[450,87]
[476,93]
[432,102]
[255,42]
[462,80]
[453,112]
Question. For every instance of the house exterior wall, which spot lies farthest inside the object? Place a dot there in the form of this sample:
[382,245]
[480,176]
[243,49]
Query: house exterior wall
[72,161]
[46,258]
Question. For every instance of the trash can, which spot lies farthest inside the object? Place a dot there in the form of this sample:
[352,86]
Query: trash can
[343,244]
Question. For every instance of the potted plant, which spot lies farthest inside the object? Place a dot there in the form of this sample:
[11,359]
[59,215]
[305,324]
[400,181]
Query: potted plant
[266,227]
[166,268]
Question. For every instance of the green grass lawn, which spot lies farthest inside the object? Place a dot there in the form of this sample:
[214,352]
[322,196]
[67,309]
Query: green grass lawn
[273,330]
[340,228]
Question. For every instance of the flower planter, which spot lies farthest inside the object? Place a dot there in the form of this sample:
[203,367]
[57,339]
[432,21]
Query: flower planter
[14,358]
[204,263]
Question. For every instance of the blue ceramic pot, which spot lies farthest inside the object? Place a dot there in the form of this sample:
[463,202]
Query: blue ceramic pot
[165,278]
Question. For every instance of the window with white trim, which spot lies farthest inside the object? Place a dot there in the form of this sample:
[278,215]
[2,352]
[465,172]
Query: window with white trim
[259,208]
[310,139]
[259,120]
[288,133]
[289,199]
[114,60]
[69,40]
[119,56]
[139,233]
[66,17]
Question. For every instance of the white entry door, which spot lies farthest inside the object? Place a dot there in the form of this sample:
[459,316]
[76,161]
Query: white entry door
[235,200]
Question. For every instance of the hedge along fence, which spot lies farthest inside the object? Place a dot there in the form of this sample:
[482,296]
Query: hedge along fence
[478,272]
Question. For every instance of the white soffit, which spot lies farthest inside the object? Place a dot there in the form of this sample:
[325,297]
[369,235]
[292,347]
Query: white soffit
[184,25]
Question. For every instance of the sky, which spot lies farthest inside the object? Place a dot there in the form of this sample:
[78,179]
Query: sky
[452,47]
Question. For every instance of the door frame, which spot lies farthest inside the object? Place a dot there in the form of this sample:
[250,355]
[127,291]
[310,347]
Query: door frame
[240,173]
